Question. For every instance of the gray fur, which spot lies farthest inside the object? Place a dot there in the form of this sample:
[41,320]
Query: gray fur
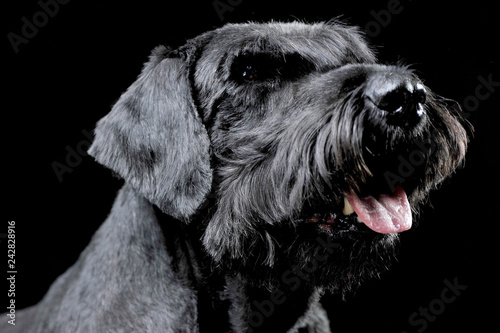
[222,165]
[154,139]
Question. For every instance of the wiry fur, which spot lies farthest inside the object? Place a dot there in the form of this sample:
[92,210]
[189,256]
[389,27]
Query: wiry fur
[222,171]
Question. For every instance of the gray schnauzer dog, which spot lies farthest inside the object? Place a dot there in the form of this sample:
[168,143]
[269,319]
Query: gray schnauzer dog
[264,164]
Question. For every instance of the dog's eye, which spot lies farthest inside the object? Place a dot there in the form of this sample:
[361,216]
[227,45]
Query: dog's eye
[253,68]
[251,73]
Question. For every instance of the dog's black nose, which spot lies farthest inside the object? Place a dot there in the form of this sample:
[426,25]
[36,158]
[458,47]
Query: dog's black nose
[399,97]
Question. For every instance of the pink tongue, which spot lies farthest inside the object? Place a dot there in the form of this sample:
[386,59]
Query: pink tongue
[387,215]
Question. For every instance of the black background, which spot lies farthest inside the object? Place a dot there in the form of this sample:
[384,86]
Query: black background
[66,77]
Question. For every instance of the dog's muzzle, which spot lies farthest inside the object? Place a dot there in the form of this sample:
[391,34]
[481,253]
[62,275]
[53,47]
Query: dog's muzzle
[399,99]
[392,112]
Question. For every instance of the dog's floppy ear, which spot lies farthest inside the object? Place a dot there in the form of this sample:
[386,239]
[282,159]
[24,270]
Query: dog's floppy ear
[154,138]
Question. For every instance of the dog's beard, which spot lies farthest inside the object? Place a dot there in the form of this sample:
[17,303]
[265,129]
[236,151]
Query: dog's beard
[289,258]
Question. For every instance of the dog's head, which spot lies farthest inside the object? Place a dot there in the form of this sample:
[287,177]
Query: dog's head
[287,143]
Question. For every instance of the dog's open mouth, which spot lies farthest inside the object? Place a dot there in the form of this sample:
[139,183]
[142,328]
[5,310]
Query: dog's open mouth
[385,214]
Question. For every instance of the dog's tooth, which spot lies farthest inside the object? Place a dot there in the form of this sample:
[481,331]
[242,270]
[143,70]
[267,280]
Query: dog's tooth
[359,220]
[347,208]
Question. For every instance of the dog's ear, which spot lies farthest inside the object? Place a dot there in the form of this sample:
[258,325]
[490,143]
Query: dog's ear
[154,138]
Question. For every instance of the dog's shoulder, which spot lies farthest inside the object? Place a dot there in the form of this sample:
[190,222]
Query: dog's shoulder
[123,279]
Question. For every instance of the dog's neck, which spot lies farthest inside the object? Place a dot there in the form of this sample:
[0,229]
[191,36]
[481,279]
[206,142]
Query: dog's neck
[228,302]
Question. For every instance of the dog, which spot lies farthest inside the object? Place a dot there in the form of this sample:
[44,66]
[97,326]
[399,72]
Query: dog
[264,165]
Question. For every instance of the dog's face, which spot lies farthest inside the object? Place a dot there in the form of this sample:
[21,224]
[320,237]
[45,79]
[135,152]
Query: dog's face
[288,144]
